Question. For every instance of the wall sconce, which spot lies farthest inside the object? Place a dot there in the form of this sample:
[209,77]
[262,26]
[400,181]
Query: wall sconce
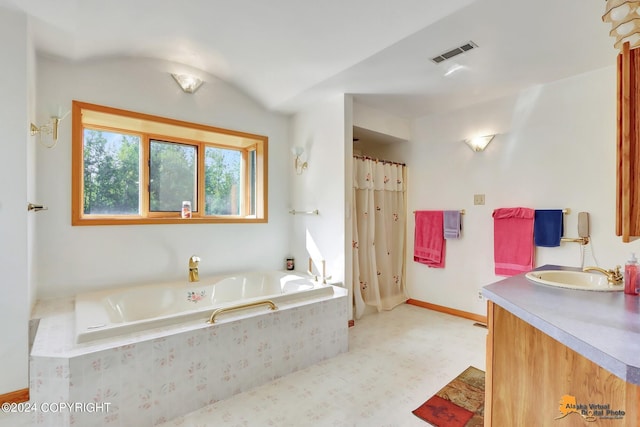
[298,163]
[479,143]
[46,129]
[625,22]
[187,82]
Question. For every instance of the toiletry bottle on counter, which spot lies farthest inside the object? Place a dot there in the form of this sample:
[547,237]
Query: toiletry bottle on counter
[631,276]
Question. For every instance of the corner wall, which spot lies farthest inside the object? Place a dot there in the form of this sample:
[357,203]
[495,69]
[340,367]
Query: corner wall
[322,130]
[32,172]
[14,283]
[555,149]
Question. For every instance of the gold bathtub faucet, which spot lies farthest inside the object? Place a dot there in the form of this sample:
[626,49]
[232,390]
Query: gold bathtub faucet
[193,268]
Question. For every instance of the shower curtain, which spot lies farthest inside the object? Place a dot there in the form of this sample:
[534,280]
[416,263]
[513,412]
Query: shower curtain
[378,234]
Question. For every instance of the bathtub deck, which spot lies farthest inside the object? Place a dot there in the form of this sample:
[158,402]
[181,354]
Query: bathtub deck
[143,374]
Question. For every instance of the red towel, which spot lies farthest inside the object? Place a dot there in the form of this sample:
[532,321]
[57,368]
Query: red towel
[513,240]
[429,243]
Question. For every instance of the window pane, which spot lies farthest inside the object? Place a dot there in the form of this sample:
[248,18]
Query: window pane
[222,181]
[172,176]
[138,167]
[252,182]
[111,173]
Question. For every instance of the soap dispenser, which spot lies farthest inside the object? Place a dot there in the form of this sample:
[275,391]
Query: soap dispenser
[631,276]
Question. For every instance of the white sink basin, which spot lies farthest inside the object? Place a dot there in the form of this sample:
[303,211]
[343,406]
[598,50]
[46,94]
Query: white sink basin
[585,281]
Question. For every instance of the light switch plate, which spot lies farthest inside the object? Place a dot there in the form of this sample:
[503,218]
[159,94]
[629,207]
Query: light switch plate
[478,199]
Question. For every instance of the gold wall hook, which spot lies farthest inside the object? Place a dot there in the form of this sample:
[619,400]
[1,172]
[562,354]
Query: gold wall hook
[36,208]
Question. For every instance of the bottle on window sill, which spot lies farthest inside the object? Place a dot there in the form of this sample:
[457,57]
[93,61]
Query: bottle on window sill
[186,209]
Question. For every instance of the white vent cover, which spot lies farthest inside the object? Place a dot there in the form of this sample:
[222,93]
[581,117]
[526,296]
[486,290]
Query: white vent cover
[453,52]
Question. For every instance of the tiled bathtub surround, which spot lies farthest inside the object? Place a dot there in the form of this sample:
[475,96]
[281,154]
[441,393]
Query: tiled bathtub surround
[396,360]
[155,377]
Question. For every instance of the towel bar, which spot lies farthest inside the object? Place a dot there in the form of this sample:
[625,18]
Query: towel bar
[581,240]
[462,212]
[270,303]
[295,212]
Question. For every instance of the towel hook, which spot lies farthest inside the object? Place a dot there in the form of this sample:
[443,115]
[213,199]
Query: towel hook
[36,208]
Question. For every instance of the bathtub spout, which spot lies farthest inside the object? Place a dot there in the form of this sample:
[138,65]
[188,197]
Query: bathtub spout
[193,268]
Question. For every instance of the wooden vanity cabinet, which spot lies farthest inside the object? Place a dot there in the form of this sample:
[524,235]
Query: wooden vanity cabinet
[528,373]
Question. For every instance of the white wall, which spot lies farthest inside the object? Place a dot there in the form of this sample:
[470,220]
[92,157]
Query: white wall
[555,149]
[14,285]
[32,267]
[322,130]
[75,259]
[382,151]
[389,131]
[380,121]
[349,111]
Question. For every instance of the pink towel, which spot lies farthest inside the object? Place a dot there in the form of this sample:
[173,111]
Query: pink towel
[429,243]
[513,240]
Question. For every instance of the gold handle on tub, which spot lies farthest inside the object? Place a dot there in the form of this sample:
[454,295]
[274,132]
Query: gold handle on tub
[270,303]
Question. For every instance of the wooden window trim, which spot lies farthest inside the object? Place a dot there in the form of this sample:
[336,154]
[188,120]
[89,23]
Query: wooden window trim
[78,218]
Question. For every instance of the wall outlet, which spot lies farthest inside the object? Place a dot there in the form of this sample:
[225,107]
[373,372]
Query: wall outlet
[480,296]
[478,199]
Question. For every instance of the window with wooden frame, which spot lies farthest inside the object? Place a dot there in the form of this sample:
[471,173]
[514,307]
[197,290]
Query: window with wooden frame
[135,168]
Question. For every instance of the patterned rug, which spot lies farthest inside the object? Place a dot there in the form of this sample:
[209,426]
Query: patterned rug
[458,404]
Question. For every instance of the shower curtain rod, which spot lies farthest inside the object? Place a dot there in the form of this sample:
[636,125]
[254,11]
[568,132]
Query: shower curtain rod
[378,160]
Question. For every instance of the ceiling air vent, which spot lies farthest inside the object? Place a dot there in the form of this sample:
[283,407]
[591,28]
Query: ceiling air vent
[453,52]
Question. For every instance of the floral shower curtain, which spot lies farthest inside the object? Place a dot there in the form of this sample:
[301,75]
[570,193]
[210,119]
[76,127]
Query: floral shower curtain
[378,234]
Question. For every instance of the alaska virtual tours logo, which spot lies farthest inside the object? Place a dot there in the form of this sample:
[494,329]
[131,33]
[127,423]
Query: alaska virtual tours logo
[590,412]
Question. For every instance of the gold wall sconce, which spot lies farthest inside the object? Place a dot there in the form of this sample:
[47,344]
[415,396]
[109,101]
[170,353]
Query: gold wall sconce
[298,163]
[46,130]
[479,143]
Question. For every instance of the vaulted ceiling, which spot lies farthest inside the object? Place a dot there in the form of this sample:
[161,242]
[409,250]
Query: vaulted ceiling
[288,53]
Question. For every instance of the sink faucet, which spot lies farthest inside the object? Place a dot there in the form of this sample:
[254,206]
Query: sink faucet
[193,269]
[614,277]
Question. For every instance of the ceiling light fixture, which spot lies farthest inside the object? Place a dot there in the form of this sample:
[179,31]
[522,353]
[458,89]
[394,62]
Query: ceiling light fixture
[187,82]
[625,22]
[479,143]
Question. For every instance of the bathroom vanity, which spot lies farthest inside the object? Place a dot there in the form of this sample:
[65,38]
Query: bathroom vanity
[561,357]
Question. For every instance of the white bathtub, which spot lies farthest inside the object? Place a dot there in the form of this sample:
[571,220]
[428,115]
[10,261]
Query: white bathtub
[114,312]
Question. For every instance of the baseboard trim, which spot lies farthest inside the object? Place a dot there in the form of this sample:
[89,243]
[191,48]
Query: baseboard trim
[448,310]
[17,396]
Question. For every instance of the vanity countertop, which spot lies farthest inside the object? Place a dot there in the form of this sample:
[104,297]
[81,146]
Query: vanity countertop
[604,327]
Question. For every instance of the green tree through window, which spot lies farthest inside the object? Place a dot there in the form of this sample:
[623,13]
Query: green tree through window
[112,176]
[222,181]
[172,176]
[111,173]
[130,168]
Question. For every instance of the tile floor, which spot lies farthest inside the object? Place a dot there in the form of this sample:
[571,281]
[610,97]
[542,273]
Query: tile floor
[396,361]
